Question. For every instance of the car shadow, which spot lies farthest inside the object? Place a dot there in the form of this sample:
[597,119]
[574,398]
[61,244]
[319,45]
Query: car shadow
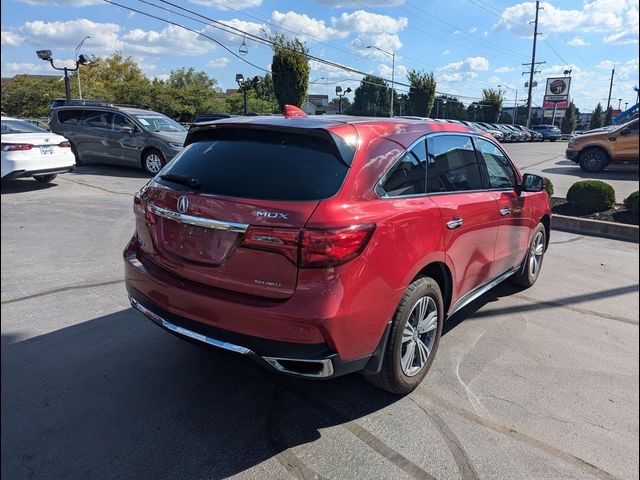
[21,185]
[116,397]
[110,171]
[608,174]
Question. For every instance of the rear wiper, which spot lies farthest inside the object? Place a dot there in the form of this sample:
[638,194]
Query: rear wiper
[183,179]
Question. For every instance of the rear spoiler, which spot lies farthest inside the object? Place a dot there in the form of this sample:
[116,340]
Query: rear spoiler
[242,130]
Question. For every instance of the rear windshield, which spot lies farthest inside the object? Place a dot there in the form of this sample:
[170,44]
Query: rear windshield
[20,126]
[265,165]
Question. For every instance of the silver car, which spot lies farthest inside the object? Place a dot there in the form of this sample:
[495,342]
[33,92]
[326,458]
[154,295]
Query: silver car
[105,133]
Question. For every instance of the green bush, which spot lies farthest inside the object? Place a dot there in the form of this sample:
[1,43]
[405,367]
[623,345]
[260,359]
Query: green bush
[631,202]
[548,186]
[592,194]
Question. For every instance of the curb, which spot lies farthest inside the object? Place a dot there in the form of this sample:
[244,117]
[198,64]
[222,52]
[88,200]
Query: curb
[596,228]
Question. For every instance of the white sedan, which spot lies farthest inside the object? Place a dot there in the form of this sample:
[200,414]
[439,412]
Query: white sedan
[30,151]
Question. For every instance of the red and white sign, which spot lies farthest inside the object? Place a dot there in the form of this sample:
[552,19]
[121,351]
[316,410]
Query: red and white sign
[559,105]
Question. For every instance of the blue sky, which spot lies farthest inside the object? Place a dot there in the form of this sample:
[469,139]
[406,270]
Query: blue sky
[468,44]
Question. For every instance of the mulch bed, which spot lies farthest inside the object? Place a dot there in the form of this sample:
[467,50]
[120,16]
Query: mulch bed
[617,214]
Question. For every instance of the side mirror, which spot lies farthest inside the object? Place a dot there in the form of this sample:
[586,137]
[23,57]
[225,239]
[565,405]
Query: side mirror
[128,130]
[531,183]
[625,131]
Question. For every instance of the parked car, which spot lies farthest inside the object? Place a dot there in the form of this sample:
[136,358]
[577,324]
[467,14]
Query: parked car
[535,136]
[517,135]
[282,239]
[497,134]
[549,132]
[31,151]
[509,135]
[594,151]
[117,135]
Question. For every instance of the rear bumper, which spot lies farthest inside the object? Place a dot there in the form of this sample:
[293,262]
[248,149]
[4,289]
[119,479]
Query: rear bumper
[33,173]
[315,324]
[314,361]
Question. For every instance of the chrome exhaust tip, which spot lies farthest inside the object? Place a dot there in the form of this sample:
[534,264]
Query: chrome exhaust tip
[303,368]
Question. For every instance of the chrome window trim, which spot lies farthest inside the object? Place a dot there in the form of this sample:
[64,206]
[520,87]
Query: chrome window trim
[198,221]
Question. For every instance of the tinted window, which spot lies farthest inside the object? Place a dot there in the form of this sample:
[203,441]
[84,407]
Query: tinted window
[120,121]
[70,117]
[501,174]
[98,119]
[633,127]
[452,165]
[408,176]
[266,165]
[20,126]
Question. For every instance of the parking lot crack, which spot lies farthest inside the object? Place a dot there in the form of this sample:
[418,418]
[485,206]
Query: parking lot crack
[62,289]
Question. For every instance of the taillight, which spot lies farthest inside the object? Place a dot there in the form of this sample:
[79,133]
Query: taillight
[64,144]
[15,147]
[140,210]
[329,248]
[279,240]
[317,248]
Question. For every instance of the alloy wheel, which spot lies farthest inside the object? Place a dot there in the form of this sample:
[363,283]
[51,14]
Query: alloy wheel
[535,255]
[153,162]
[418,336]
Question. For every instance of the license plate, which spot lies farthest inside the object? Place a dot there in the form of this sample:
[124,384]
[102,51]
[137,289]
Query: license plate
[46,149]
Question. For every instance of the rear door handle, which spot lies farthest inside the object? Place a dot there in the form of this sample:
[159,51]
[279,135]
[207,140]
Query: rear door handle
[505,211]
[455,223]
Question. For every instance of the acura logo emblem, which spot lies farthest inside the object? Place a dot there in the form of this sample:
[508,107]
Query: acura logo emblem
[183,204]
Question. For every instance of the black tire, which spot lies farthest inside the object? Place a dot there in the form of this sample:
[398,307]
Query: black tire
[152,161]
[392,376]
[593,160]
[528,275]
[552,139]
[45,178]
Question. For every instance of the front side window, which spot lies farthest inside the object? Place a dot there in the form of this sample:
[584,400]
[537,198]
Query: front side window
[452,165]
[501,174]
[98,119]
[120,121]
[408,175]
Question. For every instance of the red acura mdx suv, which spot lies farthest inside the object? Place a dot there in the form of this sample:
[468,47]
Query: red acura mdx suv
[320,246]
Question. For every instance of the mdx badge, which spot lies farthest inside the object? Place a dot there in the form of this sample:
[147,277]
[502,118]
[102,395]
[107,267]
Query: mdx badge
[265,214]
[183,204]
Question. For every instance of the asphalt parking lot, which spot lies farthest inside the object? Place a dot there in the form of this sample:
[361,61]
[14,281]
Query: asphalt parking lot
[548,159]
[541,383]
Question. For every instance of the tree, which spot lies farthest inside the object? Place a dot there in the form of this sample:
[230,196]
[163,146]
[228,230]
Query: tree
[30,96]
[608,117]
[346,103]
[234,103]
[371,98]
[570,120]
[401,104]
[505,118]
[596,117]
[422,92]
[453,108]
[290,68]
[492,100]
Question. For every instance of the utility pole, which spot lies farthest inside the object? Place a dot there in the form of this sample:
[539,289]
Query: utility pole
[613,72]
[533,64]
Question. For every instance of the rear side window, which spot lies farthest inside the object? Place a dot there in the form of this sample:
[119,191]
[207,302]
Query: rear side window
[409,174]
[499,170]
[452,165]
[70,117]
[265,165]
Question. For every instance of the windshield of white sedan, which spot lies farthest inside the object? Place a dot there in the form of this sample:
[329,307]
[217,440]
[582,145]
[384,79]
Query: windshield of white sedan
[20,126]
[159,123]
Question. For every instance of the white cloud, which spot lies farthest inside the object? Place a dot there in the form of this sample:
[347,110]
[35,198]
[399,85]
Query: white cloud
[306,26]
[104,36]
[388,42]
[253,28]
[22,68]
[229,4]
[504,69]
[221,62]
[385,71]
[578,42]
[473,30]
[463,70]
[616,16]
[494,79]
[361,3]
[446,52]
[11,39]
[366,22]
[630,34]
[170,40]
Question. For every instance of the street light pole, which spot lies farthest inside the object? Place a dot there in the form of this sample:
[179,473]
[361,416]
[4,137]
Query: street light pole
[47,57]
[392,56]
[76,50]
